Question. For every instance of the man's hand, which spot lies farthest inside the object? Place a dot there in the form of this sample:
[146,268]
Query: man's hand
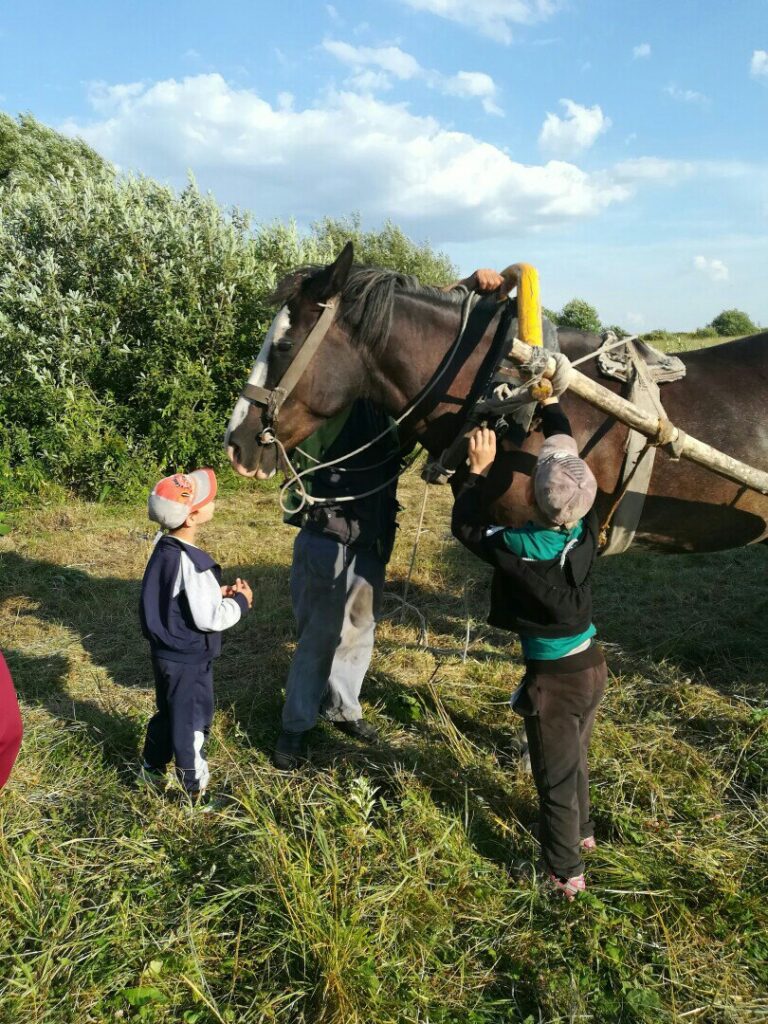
[485,280]
[482,450]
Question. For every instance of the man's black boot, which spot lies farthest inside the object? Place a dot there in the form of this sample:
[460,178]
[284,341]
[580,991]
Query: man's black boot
[359,730]
[289,750]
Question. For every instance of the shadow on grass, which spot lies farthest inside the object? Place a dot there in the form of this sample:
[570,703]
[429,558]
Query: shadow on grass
[41,681]
[704,614]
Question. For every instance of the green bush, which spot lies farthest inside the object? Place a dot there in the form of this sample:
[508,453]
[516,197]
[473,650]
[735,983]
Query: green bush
[618,331]
[705,332]
[659,334]
[733,323]
[129,316]
[580,316]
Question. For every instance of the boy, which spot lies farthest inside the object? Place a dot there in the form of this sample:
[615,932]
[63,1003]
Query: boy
[541,589]
[183,610]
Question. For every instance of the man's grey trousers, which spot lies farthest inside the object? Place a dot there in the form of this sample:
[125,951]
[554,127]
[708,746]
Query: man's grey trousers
[336,594]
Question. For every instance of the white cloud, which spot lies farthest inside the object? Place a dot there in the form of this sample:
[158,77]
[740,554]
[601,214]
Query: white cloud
[349,152]
[654,169]
[634,319]
[715,270]
[493,18]
[390,59]
[473,84]
[577,131]
[641,51]
[375,66]
[686,95]
[758,66]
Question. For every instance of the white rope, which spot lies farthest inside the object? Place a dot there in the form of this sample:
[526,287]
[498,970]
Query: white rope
[306,498]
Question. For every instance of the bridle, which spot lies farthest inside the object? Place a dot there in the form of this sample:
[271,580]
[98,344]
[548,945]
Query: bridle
[271,400]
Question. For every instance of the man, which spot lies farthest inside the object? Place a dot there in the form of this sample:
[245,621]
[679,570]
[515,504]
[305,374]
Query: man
[339,564]
[337,576]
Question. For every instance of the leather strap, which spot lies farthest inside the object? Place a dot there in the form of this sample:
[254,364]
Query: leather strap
[304,356]
[273,398]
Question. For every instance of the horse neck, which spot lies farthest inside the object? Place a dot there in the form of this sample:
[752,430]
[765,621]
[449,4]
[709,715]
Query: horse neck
[422,334]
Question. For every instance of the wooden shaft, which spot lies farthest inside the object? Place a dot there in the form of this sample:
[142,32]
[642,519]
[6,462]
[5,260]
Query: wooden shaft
[618,407]
[525,278]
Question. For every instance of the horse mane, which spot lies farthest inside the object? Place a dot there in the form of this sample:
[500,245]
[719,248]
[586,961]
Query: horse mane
[367,299]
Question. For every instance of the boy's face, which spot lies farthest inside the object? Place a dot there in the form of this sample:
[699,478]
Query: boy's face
[202,515]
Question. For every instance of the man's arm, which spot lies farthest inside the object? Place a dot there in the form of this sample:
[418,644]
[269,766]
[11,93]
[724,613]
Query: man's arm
[482,280]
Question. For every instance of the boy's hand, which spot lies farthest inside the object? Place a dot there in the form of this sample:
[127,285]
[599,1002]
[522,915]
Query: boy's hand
[482,450]
[228,590]
[242,587]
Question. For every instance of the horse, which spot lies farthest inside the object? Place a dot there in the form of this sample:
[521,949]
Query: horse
[393,341]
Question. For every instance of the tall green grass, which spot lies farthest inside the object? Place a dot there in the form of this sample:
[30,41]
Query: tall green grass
[387,883]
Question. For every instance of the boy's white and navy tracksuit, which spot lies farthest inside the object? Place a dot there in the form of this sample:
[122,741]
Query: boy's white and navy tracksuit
[182,616]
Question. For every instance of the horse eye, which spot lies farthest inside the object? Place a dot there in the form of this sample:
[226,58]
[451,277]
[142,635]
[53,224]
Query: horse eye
[284,345]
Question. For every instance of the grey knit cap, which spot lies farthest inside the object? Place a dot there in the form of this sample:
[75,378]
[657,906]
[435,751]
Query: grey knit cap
[564,485]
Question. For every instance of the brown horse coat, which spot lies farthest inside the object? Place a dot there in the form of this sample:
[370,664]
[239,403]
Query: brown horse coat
[390,342]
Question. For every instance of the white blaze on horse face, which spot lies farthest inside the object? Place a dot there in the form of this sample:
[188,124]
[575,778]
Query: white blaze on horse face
[277,329]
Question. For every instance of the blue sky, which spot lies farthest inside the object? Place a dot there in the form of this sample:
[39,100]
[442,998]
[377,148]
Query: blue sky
[618,146]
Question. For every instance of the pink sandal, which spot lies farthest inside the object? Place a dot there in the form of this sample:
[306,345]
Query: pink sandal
[569,887]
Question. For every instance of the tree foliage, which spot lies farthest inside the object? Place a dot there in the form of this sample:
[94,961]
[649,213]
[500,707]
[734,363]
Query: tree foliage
[31,153]
[733,323]
[579,315]
[129,317]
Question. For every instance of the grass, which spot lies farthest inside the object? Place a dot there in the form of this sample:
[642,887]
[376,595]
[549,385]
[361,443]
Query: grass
[386,884]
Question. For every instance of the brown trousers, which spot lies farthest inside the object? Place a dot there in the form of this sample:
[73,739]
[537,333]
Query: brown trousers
[559,702]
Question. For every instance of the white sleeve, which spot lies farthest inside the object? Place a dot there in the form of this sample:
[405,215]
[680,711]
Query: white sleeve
[210,611]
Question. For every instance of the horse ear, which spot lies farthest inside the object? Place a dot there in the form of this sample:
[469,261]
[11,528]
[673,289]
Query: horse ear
[332,278]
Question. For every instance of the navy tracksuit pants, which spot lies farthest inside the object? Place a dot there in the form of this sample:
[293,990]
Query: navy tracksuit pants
[179,729]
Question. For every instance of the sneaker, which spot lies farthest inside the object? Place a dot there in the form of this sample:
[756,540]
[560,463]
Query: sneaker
[569,887]
[206,802]
[289,751]
[588,844]
[359,730]
[151,778]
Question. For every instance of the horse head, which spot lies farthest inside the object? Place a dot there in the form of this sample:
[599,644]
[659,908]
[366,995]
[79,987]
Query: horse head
[330,381]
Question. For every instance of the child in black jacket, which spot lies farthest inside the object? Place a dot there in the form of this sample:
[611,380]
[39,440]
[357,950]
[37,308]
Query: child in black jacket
[541,590]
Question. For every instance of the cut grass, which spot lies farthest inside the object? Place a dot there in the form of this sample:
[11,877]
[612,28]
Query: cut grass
[391,883]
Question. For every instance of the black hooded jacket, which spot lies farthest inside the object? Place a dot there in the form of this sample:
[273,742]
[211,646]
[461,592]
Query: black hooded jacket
[538,597]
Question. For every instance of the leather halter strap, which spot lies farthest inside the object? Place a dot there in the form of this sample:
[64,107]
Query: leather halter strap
[273,398]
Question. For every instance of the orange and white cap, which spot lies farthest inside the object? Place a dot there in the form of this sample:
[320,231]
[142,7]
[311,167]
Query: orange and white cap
[174,497]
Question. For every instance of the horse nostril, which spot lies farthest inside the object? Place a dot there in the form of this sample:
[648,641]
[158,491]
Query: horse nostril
[235,452]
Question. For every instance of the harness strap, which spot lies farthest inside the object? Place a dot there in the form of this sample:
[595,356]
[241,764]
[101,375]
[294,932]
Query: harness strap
[306,352]
[618,530]
[273,398]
